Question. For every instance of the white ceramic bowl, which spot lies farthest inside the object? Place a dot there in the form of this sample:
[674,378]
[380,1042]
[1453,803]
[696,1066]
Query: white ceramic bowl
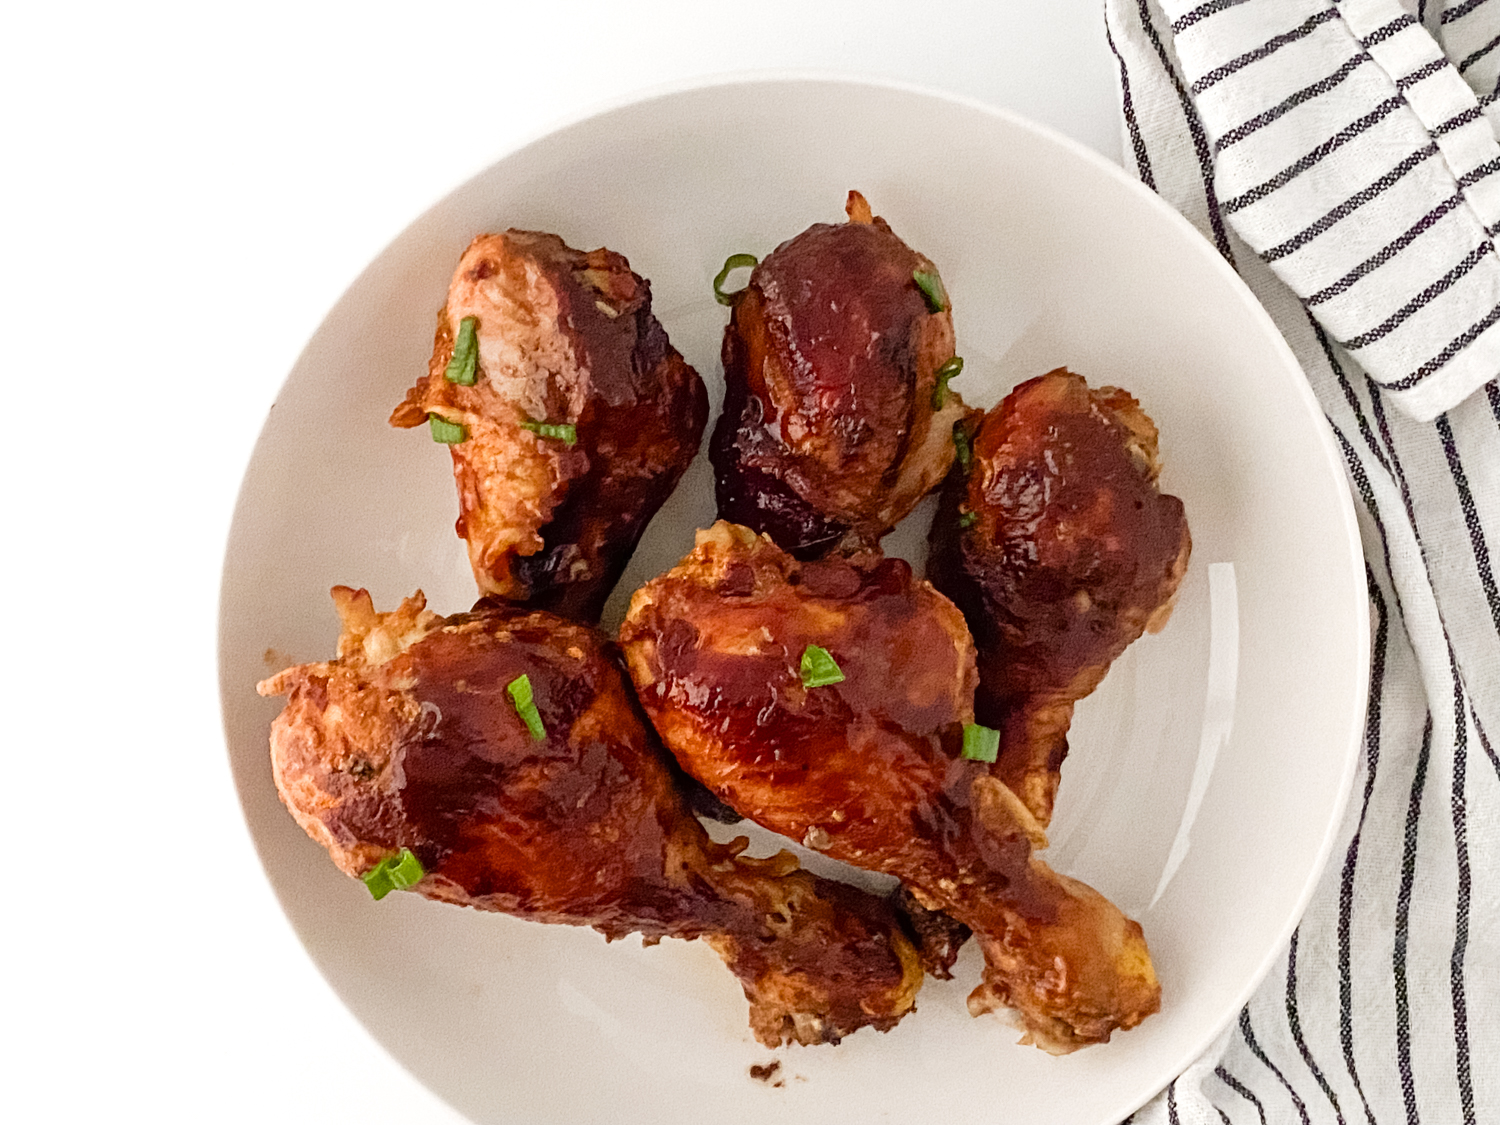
[1232,734]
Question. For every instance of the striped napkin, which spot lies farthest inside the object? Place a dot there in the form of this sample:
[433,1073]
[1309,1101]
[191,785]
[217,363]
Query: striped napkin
[1343,158]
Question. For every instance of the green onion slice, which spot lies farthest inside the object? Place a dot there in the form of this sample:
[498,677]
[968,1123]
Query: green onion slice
[981,744]
[931,286]
[393,873]
[732,263]
[819,669]
[945,372]
[563,431]
[449,433]
[465,359]
[968,520]
[520,694]
[962,447]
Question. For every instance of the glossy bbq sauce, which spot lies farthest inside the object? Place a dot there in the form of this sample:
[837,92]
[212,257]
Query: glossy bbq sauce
[584,826]
[828,328]
[567,822]
[866,770]
[749,457]
[643,415]
[1071,531]
[842,314]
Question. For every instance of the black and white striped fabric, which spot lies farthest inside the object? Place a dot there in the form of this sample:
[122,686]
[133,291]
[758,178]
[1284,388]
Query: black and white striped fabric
[1343,157]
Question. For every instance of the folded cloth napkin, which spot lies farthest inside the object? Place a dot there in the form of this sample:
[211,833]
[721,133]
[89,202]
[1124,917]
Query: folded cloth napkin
[1343,158]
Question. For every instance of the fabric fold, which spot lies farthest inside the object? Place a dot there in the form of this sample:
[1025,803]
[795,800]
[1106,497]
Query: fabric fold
[1352,156]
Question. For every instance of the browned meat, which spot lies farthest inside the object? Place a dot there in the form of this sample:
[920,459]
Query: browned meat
[579,422]
[411,740]
[938,936]
[1060,550]
[834,426]
[868,769]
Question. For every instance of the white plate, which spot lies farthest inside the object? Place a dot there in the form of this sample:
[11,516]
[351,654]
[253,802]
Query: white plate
[1052,256]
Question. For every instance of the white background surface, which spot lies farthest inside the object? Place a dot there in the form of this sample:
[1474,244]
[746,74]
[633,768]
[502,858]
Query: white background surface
[186,190]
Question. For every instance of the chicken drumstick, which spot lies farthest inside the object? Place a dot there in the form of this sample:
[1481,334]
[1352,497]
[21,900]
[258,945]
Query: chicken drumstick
[827,701]
[837,418]
[1061,550]
[569,416]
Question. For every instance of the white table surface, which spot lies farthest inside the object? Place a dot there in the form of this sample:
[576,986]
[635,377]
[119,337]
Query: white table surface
[187,189]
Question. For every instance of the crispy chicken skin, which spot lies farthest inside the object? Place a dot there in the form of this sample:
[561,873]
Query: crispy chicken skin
[1071,552]
[410,740]
[564,337]
[829,434]
[869,770]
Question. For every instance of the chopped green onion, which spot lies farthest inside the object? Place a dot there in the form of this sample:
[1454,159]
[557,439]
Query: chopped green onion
[819,669]
[407,870]
[981,744]
[563,431]
[968,520]
[393,873]
[961,446]
[931,286]
[520,694]
[732,263]
[945,372]
[465,359]
[449,433]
